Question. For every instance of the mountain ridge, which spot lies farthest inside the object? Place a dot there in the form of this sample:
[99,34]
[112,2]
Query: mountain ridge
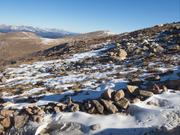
[43,32]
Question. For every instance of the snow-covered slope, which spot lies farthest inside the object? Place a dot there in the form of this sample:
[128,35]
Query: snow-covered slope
[43,32]
[129,88]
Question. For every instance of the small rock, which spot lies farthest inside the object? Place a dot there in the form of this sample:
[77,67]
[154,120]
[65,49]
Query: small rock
[136,100]
[92,110]
[6,113]
[37,118]
[109,106]
[98,106]
[153,78]
[40,112]
[61,106]
[107,94]
[132,89]
[29,110]
[1,130]
[2,79]
[1,117]
[122,54]
[69,101]
[74,107]
[57,109]
[95,127]
[164,88]
[118,95]
[156,89]
[6,122]
[20,121]
[122,103]
[7,104]
[145,93]
[174,47]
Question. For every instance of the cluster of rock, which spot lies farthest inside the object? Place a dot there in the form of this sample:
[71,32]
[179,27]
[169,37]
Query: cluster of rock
[110,102]
[2,79]
[141,49]
[148,43]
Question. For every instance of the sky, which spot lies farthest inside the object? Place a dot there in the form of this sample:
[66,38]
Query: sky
[89,15]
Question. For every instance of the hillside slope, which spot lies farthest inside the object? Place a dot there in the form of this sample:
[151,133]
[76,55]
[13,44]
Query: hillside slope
[122,84]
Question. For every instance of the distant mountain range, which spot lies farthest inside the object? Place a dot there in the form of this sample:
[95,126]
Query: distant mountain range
[43,32]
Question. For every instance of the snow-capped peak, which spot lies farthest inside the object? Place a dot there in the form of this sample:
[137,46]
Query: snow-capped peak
[43,32]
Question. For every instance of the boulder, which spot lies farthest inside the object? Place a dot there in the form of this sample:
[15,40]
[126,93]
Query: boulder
[61,106]
[156,89]
[136,100]
[7,104]
[92,110]
[37,118]
[98,106]
[107,94]
[118,95]
[57,109]
[74,107]
[145,94]
[122,103]
[122,54]
[159,49]
[20,120]
[174,47]
[1,130]
[164,88]
[3,79]
[6,122]
[109,106]
[40,112]
[132,89]
[6,113]
[28,110]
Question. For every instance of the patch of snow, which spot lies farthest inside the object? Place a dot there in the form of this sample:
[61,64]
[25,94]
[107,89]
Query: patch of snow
[143,118]
[47,40]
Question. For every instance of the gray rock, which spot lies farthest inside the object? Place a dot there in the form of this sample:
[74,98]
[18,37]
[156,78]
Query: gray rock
[109,106]
[122,54]
[6,122]
[65,128]
[145,93]
[57,109]
[132,89]
[3,79]
[107,94]
[1,129]
[20,120]
[98,106]
[74,107]
[122,103]
[118,95]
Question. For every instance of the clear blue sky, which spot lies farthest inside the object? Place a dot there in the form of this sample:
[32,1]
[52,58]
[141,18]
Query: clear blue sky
[89,15]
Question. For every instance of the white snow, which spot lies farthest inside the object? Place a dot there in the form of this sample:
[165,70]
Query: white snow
[163,110]
[142,117]
[47,40]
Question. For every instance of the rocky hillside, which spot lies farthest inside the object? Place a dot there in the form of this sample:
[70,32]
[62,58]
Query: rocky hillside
[16,46]
[122,84]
